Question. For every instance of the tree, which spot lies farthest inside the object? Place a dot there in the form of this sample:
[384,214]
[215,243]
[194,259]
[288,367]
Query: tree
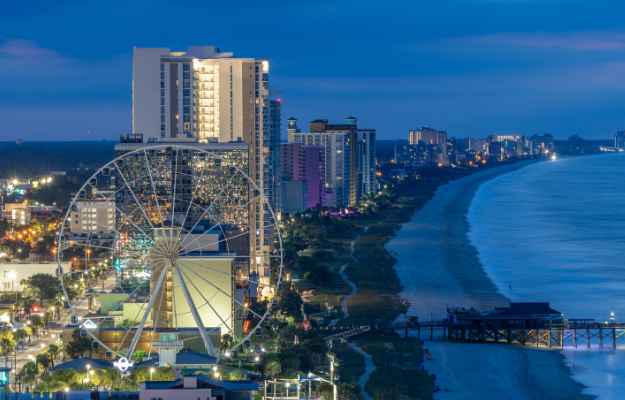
[325,389]
[273,369]
[42,247]
[77,347]
[44,286]
[237,375]
[22,334]
[227,342]
[53,352]
[138,375]
[349,389]
[43,360]
[127,323]
[138,355]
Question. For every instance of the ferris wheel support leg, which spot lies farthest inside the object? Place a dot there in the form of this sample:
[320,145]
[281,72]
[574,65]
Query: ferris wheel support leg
[147,312]
[196,317]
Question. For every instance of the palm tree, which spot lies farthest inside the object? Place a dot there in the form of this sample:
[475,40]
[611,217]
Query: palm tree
[226,342]
[273,369]
[22,334]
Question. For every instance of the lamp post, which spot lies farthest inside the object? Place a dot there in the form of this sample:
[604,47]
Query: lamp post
[151,372]
[12,276]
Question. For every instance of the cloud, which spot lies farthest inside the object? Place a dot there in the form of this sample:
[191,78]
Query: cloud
[15,52]
[569,41]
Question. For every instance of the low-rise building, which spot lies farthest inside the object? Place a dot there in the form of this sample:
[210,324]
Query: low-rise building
[11,274]
[200,386]
[96,215]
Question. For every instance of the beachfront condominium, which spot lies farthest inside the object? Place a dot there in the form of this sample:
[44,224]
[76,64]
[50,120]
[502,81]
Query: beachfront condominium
[306,163]
[349,157]
[208,96]
[429,136]
[619,141]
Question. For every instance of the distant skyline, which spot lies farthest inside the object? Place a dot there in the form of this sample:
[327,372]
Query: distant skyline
[469,67]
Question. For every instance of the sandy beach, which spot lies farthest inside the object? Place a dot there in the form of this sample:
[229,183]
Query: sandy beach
[438,268]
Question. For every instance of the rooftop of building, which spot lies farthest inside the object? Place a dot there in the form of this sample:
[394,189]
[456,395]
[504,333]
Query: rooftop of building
[215,146]
[185,357]
[203,382]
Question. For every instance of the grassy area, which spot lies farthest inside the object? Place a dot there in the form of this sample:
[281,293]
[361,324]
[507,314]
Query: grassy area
[395,376]
[373,273]
[352,363]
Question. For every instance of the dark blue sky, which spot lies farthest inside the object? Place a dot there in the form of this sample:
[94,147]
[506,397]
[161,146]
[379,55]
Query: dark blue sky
[468,67]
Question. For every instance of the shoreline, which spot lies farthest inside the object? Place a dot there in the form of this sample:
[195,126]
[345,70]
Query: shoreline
[439,267]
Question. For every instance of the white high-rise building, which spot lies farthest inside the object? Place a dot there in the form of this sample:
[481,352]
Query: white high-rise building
[205,95]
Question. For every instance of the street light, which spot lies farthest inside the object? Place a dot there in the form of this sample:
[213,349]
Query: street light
[151,372]
[12,276]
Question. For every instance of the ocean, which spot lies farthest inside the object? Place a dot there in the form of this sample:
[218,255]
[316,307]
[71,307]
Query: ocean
[555,231]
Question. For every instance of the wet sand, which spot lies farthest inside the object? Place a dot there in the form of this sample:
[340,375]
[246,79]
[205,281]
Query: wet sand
[438,268]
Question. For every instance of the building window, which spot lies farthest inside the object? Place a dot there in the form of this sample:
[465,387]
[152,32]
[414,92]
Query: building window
[162,118]
[186,67]
[186,75]
[187,118]
[186,110]
[162,92]
[7,286]
[162,84]
[162,129]
[162,67]
[186,84]
[186,102]
[186,92]
[162,101]
[162,109]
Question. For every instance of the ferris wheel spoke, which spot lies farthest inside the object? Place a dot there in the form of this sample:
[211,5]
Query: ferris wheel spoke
[226,239]
[158,206]
[212,244]
[90,269]
[191,200]
[95,294]
[135,197]
[124,214]
[209,304]
[219,224]
[158,314]
[213,201]
[173,203]
[99,247]
[134,321]
[213,285]
[225,273]
[196,317]
[147,311]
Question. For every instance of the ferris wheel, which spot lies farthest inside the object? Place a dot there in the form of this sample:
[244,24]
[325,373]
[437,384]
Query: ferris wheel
[164,250]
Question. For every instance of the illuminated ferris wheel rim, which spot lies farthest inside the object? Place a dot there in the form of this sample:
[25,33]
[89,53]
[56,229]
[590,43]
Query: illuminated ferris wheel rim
[170,252]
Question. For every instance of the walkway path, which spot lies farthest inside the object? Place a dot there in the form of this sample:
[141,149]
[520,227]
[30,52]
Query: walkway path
[369,368]
[352,284]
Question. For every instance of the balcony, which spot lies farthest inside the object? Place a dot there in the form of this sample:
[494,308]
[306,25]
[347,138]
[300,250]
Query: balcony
[167,345]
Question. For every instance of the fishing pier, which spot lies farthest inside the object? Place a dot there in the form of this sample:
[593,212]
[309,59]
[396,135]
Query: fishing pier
[526,324]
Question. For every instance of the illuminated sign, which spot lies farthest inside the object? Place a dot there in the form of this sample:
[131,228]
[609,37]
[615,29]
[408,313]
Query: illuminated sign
[89,324]
[122,364]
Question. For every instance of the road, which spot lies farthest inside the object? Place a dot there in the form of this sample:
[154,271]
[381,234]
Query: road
[36,345]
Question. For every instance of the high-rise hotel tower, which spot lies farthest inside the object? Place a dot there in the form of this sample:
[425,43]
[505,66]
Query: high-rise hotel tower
[207,96]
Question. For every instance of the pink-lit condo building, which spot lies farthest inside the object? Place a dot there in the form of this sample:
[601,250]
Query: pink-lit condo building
[303,174]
